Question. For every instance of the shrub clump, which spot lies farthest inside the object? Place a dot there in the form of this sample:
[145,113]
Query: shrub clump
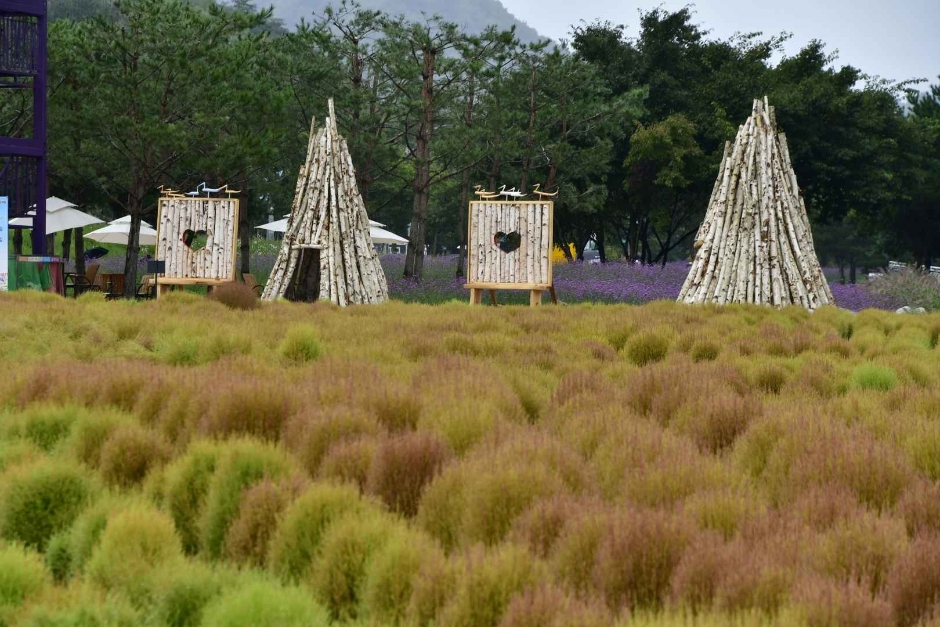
[551,606]
[301,345]
[390,574]
[23,576]
[261,505]
[44,426]
[647,347]
[403,466]
[136,542]
[874,377]
[242,463]
[236,296]
[914,582]
[297,540]
[129,453]
[186,486]
[39,500]
[264,604]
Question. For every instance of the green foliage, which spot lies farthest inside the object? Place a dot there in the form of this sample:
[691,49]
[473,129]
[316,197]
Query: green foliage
[43,426]
[300,345]
[300,533]
[647,347]
[264,604]
[23,576]
[874,377]
[187,483]
[242,463]
[41,499]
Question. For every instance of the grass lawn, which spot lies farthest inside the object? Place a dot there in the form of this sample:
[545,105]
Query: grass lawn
[183,463]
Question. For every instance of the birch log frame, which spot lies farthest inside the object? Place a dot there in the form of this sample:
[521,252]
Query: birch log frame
[218,218]
[755,244]
[328,221]
[528,267]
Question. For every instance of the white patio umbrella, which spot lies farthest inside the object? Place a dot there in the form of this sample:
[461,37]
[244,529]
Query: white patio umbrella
[119,231]
[61,215]
[379,235]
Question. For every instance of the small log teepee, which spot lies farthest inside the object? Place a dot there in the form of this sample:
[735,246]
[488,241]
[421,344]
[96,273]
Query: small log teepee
[755,244]
[327,251]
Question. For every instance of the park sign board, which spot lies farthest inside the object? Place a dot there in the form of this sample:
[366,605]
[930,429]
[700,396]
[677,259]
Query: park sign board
[4,244]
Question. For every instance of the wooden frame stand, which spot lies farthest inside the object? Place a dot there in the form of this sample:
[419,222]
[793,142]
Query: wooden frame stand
[509,247]
[165,284]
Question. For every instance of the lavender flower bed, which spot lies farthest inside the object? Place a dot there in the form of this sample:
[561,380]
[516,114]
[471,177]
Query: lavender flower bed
[614,282]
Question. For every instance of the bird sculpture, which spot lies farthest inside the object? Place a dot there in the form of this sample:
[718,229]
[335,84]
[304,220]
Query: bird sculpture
[198,190]
[540,194]
[483,194]
[510,193]
[166,192]
[507,242]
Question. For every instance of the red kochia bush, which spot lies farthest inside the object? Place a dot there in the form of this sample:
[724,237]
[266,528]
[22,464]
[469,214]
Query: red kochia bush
[403,465]
[914,583]
[236,296]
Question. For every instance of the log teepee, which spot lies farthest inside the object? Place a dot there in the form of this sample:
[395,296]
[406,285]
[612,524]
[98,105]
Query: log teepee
[327,251]
[755,244]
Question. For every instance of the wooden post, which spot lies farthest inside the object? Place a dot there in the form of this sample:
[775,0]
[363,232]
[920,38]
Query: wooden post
[535,298]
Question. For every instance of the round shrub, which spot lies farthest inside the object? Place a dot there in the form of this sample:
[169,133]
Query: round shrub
[310,434]
[431,588]
[297,540]
[91,431]
[89,611]
[264,604]
[23,575]
[181,592]
[261,505]
[403,466]
[442,506]
[300,345]
[85,533]
[647,347]
[349,462]
[134,544]
[129,453]
[186,485]
[705,350]
[390,573]
[236,296]
[340,568]
[914,582]
[638,552]
[59,556]
[871,376]
[242,463]
[488,581]
[44,426]
[247,407]
[550,606]
[41,499]
[16,452]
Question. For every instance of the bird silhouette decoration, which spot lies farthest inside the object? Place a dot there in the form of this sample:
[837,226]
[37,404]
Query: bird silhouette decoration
[507,242]
[541,194]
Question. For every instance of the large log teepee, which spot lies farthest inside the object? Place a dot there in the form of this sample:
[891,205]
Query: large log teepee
[755,244]
[327,251]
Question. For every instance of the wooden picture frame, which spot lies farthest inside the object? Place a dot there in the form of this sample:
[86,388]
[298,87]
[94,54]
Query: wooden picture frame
[523,258]
[212,265]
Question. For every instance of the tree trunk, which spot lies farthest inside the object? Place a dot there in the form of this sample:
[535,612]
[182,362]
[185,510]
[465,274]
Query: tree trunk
[852,270]
[50,244]
[841,271]
[530,133]
[463,207]
[414,262]
[79,237]
[244,234]
[17,241]
[600,241]
[66,244]
[134,208]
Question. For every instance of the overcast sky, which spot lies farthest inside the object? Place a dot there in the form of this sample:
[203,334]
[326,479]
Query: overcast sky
[897,39]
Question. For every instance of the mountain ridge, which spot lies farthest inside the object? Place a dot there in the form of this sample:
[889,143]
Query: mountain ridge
[471,15]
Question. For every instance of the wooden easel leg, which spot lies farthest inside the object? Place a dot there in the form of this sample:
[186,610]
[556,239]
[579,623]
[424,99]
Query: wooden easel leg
[493,297]
[535,298]
[551,292]
[476,296]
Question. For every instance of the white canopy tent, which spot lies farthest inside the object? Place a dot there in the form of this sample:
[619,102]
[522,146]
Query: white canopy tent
[61,215]
[379,235]
[118,232]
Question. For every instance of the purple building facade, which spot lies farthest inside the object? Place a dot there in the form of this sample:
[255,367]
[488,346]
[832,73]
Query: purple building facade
[23,59]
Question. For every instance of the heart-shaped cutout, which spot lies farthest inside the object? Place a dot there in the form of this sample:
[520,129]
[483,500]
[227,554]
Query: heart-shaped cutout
[195,240]
[507,242]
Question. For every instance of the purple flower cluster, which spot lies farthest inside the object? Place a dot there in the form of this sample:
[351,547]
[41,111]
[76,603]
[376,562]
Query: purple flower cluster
[614,282]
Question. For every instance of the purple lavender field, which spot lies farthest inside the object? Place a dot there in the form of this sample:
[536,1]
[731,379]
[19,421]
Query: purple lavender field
[614,282]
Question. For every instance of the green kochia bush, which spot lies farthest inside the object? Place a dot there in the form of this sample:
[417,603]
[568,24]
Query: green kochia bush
[242,463]
[186,486]
[41,499]
[22,577]
[135,543]
[265,604]
[298,537]
[300,345]
[44,426]
[873,377]
[347,546]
